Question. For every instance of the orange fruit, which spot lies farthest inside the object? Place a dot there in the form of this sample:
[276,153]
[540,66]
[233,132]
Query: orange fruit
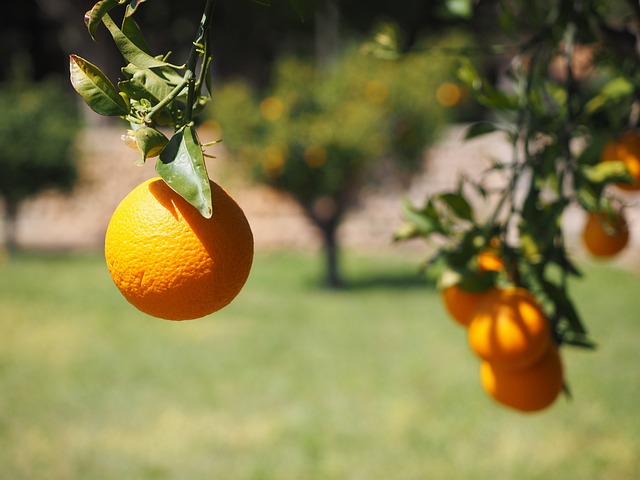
[625,149]
[509,329]
[531,389]
[171,262]
[489,261]
[605,235]
[461,304]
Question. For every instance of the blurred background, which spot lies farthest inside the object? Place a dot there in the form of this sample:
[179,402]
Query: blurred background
[293,380]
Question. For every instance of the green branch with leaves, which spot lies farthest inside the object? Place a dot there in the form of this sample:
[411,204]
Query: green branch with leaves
[557,119]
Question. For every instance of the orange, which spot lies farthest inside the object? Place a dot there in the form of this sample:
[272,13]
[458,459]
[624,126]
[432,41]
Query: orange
[625,149]
[489,261]
[528,390]
[171,262]
[605,235]
[509,329]
[461,304]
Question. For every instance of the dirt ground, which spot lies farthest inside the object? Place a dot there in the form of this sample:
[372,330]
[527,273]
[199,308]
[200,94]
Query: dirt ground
[78,221]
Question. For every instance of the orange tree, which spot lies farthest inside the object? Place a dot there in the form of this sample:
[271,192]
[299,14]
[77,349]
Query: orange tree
[321,133]
[570,87]
[37,130]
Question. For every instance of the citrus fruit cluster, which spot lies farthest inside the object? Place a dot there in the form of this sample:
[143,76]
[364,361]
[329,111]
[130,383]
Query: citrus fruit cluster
[606,233]
[520,365]
[171,262]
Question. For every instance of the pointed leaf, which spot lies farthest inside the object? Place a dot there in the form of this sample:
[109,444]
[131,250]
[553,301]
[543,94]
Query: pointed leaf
[181,165]
[133,6]
[129,50]
[132,31]
[95,88]
[480,128]
[426,221]
[148,141]
[458,205]
[93,17]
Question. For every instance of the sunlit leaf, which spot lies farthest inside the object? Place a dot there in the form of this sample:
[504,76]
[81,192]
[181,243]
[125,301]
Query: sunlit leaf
[148,141]
[95,88]
[181,165]
[615,89]
[460,8]
[607,172]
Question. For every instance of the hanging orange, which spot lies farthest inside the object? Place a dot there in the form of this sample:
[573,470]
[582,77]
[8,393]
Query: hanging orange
[509,329]
[625,148]
[530,389]
[171,262]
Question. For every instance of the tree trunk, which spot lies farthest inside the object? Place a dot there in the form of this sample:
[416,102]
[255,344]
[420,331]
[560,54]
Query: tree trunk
[333,278]
[327,33]
[327,221]
[10,226]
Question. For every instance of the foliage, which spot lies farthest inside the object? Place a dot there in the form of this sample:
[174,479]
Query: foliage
[155,93]
[321,133]
[571,85]
[37,130]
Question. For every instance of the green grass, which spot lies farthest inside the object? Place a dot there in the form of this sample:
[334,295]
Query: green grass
[293,382]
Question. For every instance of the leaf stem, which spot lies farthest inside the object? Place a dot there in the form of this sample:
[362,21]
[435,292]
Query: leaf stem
[189,78]
[148,119]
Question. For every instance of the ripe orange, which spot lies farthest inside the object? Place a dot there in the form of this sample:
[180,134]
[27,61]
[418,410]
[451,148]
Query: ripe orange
[171,262]
[528,390]
[604,235]
[509,329]
[625,149]
[461,304]
[489,261]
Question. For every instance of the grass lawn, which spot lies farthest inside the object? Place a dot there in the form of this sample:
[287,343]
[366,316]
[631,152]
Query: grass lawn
[293,382]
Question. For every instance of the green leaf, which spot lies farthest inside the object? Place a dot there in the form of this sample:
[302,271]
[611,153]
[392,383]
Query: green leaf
[93,17]
[564,306]
[480,128]
[132,31]
[181,165]
[148,141]
[460,8]
[129,50]
[133,6]
[607,172]
[458,204]
[144,83]
[613,90]
[426,221]
[95,88]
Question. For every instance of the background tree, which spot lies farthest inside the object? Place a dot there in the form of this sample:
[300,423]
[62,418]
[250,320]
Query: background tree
[38,125]
[321,133]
